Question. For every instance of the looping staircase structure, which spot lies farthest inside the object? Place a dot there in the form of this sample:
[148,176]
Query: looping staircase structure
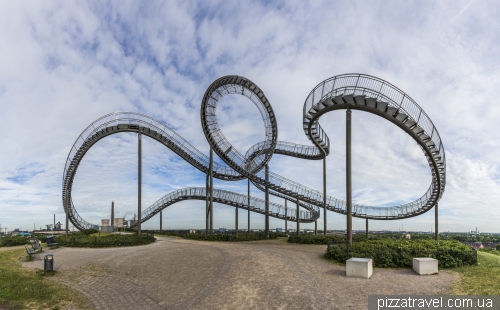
[350,91]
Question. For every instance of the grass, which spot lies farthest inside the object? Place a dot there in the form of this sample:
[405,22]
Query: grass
[22,288]
[483,279]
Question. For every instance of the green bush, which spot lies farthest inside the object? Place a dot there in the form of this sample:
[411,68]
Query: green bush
[322,239]
[90,231]
[498,247]
[113,240]
[491,251]
[221,237]
[14,240]
[399,253]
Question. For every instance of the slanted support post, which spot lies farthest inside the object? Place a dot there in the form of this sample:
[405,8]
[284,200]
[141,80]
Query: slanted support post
[139,183]
[348,177]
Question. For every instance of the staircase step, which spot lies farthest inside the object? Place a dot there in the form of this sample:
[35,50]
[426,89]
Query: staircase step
[391,111]
[381,105]
[401,117]
[360,99]
[410,123]
[417,129]
[339,99]
[349,99]
[371,102]
[328,102]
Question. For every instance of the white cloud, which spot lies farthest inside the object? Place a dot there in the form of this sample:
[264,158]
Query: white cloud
[66,64]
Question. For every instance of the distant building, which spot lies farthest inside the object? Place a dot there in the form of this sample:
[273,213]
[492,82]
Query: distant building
[407,236]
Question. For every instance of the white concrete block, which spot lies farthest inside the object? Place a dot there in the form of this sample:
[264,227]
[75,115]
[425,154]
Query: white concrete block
[425,265]
[359,267]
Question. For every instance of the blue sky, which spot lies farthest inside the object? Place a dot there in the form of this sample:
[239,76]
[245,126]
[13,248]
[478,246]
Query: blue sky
[65,64]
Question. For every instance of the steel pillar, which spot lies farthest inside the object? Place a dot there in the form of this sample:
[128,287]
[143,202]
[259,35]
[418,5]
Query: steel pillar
[207,203]
[248,203]
[161,222]
[267,201]
[316,227]
[298,215]
[67,222]
[286,219]
[236,220]
[348,177]
[436,222]
[324,195]
[366,229]
[211,191]
[139,184]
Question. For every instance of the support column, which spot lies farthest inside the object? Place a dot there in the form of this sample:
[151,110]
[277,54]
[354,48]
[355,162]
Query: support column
[324,195]
[161,222]
[236,221]
[298,215]
[139,184]
[67,222]
[207,202]
[286,219]
[436,222]
[211,191]
[316,227]
[248,197]
[366,229]
[348,177]
[267,202]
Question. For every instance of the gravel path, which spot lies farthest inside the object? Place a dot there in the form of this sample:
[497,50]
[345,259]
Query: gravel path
[175,273]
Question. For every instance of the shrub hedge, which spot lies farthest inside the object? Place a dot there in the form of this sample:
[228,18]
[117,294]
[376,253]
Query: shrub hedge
[322,239]
[400,253]
[222,237]
[491,251]
[81,240]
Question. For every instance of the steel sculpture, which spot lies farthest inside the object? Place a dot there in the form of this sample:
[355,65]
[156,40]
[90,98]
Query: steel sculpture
[350,91]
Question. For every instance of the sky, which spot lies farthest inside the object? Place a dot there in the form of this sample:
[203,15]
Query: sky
[65,64]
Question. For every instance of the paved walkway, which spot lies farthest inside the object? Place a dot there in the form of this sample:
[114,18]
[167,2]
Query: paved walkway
[176,273]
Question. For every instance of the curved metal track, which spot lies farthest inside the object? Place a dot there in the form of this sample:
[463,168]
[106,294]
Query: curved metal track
[353,91]
[228,198]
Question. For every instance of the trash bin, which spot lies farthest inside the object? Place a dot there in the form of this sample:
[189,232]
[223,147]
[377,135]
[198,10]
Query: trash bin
[48,263]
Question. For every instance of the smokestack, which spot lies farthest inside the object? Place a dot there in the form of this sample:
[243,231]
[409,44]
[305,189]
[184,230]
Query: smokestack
[112,213]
